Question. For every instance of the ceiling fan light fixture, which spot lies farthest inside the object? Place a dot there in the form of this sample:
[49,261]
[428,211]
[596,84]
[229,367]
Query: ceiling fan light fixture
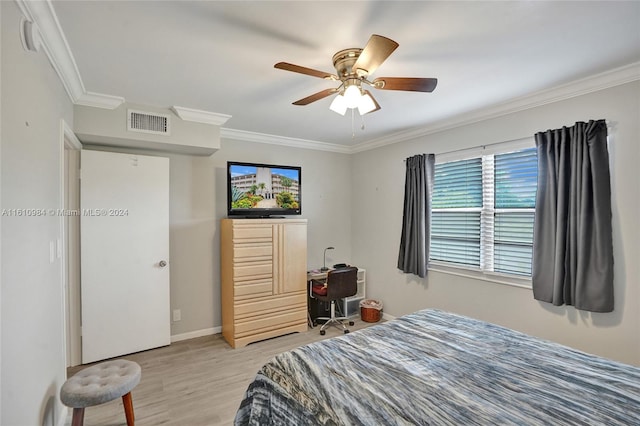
[352,95]
[339,105]
[354,67]
[366,104]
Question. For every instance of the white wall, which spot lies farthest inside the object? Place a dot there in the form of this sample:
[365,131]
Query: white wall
[198,202]
[378,185]
[32,315]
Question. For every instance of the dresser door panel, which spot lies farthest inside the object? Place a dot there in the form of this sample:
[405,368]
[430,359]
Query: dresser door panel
[294,253]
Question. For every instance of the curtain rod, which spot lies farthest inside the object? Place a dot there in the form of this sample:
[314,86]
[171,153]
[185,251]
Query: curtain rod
[482,147]
[610,126]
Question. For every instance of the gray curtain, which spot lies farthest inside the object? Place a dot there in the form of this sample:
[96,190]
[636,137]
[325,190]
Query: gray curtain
[572,245]
[416,218]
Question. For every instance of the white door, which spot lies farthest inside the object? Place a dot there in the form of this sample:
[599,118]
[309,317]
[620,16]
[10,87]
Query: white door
[124,243]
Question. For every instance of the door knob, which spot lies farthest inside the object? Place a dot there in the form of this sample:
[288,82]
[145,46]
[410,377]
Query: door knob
[162,263]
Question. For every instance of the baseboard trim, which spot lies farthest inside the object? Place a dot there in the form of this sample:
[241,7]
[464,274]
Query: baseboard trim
[194,334]
[387,317]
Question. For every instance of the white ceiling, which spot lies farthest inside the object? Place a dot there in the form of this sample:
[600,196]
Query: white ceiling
[218,56]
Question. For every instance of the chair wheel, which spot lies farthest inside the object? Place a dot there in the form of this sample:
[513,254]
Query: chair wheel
[352,323]
[322,332]
[346,332]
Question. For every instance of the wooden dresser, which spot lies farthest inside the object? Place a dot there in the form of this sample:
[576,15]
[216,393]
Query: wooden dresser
[264,278]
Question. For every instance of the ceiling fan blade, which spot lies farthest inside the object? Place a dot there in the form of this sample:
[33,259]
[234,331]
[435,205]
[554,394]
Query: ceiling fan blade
[406,83]
[366,92]
[376,51]
[304,70]
[316,96]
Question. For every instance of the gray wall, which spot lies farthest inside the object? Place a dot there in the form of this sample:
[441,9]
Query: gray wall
[198,202]
[32,315]
[378,185]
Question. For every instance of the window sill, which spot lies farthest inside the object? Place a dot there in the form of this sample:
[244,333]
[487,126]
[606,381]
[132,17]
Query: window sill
[493,277]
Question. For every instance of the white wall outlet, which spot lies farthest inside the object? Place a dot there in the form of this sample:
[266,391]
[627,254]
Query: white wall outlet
[177,315]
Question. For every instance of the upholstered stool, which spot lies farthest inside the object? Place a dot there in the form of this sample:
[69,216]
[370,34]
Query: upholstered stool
[101,383]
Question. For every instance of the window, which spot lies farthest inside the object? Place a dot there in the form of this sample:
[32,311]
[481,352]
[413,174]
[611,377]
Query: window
[483,210]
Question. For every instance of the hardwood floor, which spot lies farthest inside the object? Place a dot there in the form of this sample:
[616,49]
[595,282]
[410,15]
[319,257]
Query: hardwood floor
[197,382]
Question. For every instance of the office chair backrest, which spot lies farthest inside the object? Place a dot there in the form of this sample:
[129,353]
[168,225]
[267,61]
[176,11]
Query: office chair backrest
[342,282]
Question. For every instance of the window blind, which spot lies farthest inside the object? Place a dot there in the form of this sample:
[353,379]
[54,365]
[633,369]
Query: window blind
[455,237]
[483,211]
[516,179]
[515,200]
[458,184]
[456,211]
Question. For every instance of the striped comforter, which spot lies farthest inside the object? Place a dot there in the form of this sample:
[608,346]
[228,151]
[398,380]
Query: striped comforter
[437,368]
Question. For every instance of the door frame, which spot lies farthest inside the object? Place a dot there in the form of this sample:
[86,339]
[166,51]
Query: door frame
[68,245]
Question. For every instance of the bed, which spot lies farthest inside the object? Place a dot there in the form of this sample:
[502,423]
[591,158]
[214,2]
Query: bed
[437,368]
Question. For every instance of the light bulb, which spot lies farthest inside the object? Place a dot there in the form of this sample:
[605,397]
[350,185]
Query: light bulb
[352,96]
[366,104]
[339,105]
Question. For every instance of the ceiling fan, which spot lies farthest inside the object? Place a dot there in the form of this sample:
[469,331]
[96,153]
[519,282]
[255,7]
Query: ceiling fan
[354,66]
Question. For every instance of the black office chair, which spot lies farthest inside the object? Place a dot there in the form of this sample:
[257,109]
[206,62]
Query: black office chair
[340,283]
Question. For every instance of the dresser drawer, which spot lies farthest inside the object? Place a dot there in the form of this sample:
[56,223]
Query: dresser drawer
[252,270]
[265,305]
[260,324]
[252,232]
[253,288]
[244,252]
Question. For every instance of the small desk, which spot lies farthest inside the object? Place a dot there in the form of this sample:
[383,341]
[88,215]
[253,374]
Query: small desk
[348,307]
[315,274]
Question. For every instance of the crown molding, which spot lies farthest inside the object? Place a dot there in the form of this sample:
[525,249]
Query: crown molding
[282,140]
[52,40]
[99,100]
[200,116]
[54,44]
[604,80]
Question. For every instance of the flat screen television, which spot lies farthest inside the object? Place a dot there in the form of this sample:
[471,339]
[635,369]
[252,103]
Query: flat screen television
[263,190]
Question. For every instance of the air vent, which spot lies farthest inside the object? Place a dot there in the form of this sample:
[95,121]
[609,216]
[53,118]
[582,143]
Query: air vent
[148,122]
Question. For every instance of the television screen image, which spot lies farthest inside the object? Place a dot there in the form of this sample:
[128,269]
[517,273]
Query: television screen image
[262,189]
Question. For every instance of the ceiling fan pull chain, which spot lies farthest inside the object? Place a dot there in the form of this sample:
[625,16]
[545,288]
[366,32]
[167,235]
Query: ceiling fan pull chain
[353,126]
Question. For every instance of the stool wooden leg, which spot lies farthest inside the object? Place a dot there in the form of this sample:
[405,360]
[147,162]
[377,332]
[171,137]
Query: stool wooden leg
[78,417]
[128,409]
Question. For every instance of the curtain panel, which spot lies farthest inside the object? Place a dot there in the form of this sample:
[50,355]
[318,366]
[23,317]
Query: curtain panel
[416,218]
[572,246]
